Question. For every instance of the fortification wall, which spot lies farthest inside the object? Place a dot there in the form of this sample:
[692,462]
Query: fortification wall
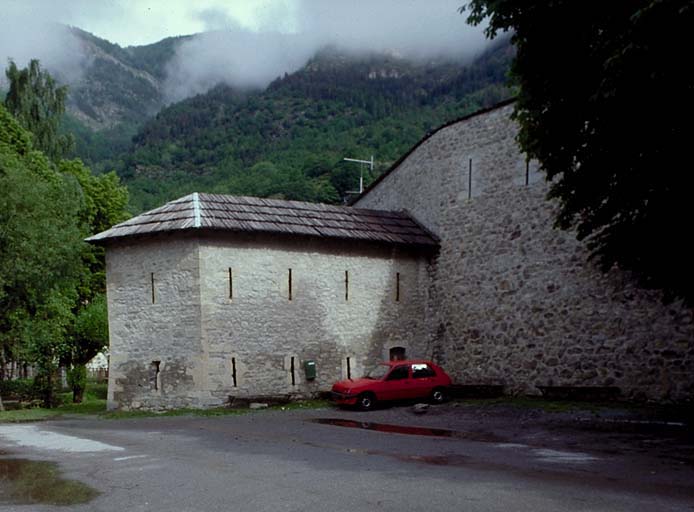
[515,301]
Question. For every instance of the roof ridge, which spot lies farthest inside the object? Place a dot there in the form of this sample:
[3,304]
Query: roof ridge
[197,222]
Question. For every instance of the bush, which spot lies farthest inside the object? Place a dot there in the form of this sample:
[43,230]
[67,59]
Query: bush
[97,389]
[23,390]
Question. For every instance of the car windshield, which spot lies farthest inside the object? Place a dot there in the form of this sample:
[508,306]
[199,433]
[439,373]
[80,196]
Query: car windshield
[378,372]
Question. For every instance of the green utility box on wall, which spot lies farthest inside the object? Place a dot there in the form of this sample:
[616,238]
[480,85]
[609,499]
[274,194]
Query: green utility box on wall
[310,369]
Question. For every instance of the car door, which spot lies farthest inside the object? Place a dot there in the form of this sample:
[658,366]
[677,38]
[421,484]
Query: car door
[397,385]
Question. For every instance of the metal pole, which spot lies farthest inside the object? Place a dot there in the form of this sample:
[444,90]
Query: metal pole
[361,169]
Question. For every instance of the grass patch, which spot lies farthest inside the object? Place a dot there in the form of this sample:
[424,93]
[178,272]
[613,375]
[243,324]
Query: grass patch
[25,415]
[303,404]
[93,403]
[216,411]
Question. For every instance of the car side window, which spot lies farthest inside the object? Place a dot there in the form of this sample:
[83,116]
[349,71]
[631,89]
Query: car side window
[398,373]
[421,371]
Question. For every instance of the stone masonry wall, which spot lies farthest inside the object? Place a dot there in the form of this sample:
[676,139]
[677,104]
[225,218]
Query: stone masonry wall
[515,301]
[202,337]
[143,331]
[262,330]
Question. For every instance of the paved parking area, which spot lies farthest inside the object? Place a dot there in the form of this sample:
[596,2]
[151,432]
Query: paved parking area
[455,456]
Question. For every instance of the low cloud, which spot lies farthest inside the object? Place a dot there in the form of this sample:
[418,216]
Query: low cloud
[235,56]
[277,37]
[288,36]
[30,32]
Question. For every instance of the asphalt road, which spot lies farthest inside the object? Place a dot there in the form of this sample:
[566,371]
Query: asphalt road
[285,461]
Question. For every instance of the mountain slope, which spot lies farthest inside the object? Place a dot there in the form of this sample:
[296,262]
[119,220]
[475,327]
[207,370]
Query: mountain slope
[119,85]
[289,140]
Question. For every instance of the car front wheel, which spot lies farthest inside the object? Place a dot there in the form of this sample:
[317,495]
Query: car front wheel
[366,401]
[438,395]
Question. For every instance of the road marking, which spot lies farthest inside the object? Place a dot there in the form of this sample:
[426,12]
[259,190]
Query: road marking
[556,456]
[31,436]
[130,457]
[511,445]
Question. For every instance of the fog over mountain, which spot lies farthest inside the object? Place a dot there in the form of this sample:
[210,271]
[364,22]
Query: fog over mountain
[285,35]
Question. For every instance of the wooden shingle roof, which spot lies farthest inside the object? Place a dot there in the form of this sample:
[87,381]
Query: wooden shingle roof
[273,216]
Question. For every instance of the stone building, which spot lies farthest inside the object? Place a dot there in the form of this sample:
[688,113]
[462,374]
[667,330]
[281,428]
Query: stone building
[215,296]
[212,297]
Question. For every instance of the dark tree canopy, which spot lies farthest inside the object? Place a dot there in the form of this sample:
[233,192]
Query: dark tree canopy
[605,105]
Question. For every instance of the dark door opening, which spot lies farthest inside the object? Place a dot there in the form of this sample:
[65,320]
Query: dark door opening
[397,354]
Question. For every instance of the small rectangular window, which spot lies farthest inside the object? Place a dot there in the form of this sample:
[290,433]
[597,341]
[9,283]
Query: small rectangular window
[397,287]
[233,370]
[346,284]
[349,369]
[291,369]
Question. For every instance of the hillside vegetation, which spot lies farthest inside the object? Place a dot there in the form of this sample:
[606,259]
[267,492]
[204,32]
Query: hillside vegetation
[286,141]
[289,140]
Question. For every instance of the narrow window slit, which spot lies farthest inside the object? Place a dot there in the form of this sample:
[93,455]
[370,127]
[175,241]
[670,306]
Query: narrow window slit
[397,287]
[349,369]
[233,370]
[231,284]
[291,369]
[289,283]
[469,180]
[152,283]
[346,284]
[527,172]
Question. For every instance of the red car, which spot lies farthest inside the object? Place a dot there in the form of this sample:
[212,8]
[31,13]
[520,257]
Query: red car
[394,380]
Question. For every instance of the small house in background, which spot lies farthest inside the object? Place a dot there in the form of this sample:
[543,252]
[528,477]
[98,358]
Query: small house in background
[213,296]
[97,367]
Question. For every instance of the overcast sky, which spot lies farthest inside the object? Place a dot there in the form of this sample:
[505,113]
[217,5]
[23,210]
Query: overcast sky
[256,41]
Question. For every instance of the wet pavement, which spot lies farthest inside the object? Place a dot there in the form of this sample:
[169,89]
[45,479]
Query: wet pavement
[458,456]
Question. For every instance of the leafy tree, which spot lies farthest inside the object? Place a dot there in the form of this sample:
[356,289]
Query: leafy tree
[104,202]
[90,336]
[38,104]
[40,245]
[52,284]
[605,106]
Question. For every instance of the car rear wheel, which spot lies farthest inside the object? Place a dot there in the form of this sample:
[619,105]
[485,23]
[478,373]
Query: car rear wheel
[438,395]
[366,401]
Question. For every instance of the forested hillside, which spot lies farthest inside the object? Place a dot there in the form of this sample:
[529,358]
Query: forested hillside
[289,140]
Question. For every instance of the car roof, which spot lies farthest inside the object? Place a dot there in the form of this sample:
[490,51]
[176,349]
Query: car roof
[407,361]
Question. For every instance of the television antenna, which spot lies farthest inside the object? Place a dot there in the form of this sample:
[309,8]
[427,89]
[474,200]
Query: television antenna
[361,173]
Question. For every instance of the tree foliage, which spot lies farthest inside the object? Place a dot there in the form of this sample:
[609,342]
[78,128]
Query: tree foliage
[605,106]
[52,284]
[40,245]
[36,101]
